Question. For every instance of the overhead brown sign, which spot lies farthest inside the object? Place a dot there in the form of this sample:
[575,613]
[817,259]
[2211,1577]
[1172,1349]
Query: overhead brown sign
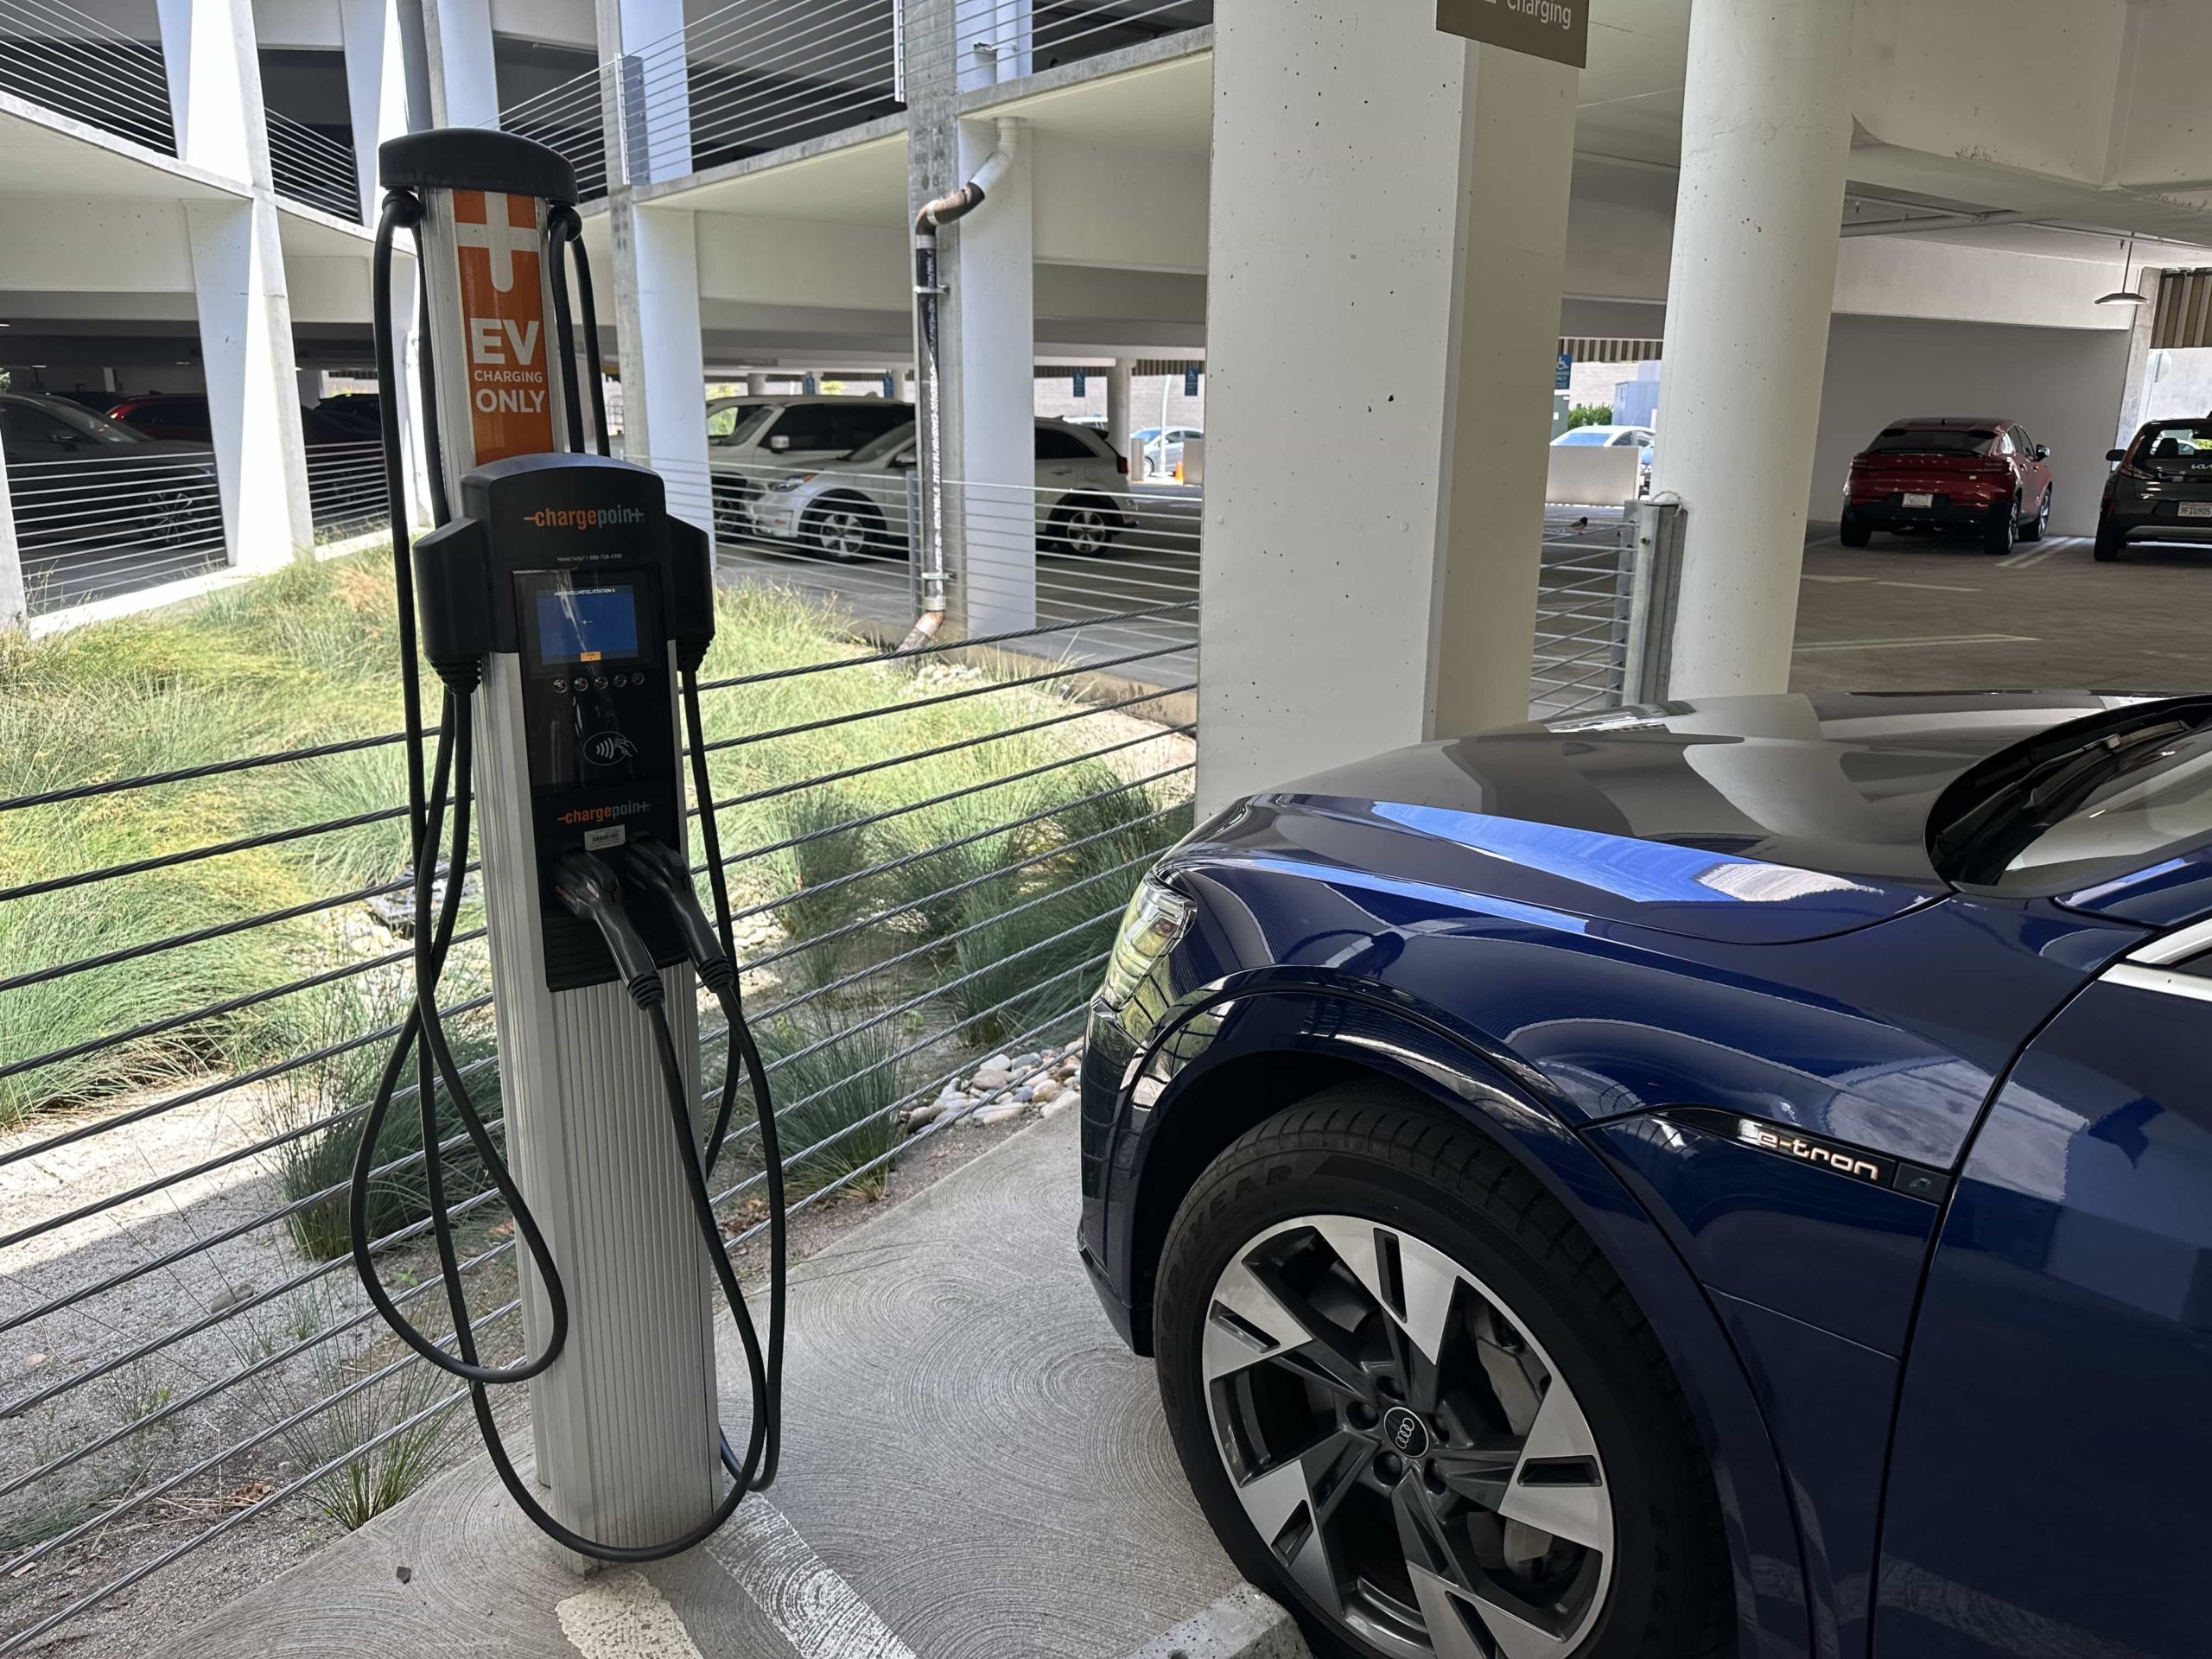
[1558,29]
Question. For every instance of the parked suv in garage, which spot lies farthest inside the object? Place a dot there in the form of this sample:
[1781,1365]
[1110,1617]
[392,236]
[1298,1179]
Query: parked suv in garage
[2162,488]
[1950,472]
[857,508]
[752,441]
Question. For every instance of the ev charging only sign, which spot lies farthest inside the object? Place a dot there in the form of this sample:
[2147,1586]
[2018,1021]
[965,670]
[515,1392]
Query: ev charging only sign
[498,243]
[1558,29]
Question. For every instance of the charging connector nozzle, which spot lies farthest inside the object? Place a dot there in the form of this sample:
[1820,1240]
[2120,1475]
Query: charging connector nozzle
[590,891]
[660,870]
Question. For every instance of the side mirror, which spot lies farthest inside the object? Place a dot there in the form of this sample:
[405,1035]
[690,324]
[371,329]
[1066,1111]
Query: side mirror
[778,444]
[2115,454]
[2043,452]
[906,459]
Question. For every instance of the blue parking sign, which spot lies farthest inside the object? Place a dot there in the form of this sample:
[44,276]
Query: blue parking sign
[1566,376]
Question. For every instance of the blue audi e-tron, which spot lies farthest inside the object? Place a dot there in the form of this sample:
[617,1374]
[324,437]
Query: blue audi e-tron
[1720,1178]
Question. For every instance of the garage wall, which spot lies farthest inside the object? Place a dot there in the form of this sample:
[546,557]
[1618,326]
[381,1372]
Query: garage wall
[2065,385]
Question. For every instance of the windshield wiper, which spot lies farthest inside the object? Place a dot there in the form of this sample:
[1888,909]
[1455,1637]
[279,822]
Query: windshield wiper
[1991,833]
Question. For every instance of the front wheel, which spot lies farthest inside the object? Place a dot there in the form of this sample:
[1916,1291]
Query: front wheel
[1417,1405]
[846,528]
[1084,526]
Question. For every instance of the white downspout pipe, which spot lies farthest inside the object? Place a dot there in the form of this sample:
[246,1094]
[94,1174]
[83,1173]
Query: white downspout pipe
[928,400]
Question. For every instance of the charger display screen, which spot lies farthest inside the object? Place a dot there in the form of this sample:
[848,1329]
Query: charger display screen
[587,624]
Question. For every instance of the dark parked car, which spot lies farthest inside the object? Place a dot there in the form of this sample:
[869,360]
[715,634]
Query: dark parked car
[2161,490]
[1950,473]
[1720,1178]
[346,486]
[92,496]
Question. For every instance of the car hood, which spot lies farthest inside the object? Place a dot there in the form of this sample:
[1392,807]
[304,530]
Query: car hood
[1757,820]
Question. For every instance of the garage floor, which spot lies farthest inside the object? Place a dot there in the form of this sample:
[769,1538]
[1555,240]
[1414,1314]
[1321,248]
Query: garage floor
[1929,614]
[973,1468]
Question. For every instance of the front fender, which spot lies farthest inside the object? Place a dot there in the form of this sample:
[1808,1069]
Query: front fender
[1228,1055]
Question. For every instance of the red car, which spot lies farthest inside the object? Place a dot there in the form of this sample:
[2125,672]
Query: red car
[1950,472]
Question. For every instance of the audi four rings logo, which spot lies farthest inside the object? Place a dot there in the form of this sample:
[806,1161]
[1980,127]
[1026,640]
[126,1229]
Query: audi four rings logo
[1406,1432]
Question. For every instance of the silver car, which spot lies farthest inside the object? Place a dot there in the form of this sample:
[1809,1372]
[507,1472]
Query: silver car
[752,441]
[857,508]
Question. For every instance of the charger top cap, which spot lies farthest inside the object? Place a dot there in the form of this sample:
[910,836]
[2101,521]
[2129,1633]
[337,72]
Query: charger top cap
[476,158]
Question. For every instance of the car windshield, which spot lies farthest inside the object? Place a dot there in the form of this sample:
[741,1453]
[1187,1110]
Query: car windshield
[1933,440]
[882,448]
[1583,436]
[2090,803]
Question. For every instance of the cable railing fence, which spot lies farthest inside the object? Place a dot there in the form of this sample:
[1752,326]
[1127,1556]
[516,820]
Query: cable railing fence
[1004,39]
[92,527]
[751,77]
[313,169]
[72,63]
[346,489]
[206,913]
[1604,607]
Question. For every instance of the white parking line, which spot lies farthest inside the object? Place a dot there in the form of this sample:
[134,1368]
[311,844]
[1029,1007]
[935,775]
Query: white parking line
[820,1615]
[1931,587]
[1809,576]
[2050,549]
[1913,644]
[622,1615]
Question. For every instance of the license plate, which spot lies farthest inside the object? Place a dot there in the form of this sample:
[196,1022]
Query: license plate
[1919,498]
[2194,509]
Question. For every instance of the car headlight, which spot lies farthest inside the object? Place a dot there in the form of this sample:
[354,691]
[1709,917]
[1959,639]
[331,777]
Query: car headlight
[793,482]
[1157,917]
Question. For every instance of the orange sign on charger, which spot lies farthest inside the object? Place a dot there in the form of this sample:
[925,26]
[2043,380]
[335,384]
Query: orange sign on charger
[503,320]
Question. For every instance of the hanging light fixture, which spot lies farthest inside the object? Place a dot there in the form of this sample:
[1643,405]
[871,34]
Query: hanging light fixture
[2126,294]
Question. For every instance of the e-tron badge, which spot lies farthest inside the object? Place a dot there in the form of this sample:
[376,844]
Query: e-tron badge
[1782,1141]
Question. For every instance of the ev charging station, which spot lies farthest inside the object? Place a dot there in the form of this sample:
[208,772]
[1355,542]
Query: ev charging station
[565,615]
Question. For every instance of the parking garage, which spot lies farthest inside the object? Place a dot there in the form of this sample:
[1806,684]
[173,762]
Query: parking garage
[1245,382]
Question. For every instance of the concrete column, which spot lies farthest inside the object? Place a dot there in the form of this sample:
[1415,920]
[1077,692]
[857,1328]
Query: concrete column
[645,38]
[1516,163]
[996,43]
[1766,129]
[1329,614]
[14,609]
[1118,424]
[457,42]
[663,364]
[246,346]
[237,265]
[376,86]
[990,330]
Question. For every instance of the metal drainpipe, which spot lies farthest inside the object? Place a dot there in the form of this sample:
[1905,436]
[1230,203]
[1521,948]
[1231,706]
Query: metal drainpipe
[929,401]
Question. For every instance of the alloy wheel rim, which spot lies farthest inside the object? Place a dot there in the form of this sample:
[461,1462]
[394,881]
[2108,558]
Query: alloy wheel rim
[1086,531]
[1404,1447]
[844,535]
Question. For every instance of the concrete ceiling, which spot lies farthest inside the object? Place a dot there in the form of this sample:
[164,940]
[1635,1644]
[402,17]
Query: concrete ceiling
[1162,106]
[42,154]
[846,182]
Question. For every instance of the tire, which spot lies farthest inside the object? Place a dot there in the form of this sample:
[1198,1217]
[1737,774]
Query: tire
[2037,527]
[846,528]
[1428,1204]
[1853,533]
[2002,530]
[2109,541]
[1085,526]
[730,517]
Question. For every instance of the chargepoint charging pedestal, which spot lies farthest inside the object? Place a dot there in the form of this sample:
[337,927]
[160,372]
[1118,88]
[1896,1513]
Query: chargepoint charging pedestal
[566,614]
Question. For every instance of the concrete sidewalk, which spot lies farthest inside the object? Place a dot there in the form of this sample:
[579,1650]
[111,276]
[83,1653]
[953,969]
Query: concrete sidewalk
[973,1468]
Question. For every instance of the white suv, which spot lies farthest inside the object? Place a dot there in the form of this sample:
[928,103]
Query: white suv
[856,507]
[751,442]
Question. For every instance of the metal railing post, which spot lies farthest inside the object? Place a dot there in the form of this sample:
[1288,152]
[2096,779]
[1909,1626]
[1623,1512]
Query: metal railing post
[1654,557]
